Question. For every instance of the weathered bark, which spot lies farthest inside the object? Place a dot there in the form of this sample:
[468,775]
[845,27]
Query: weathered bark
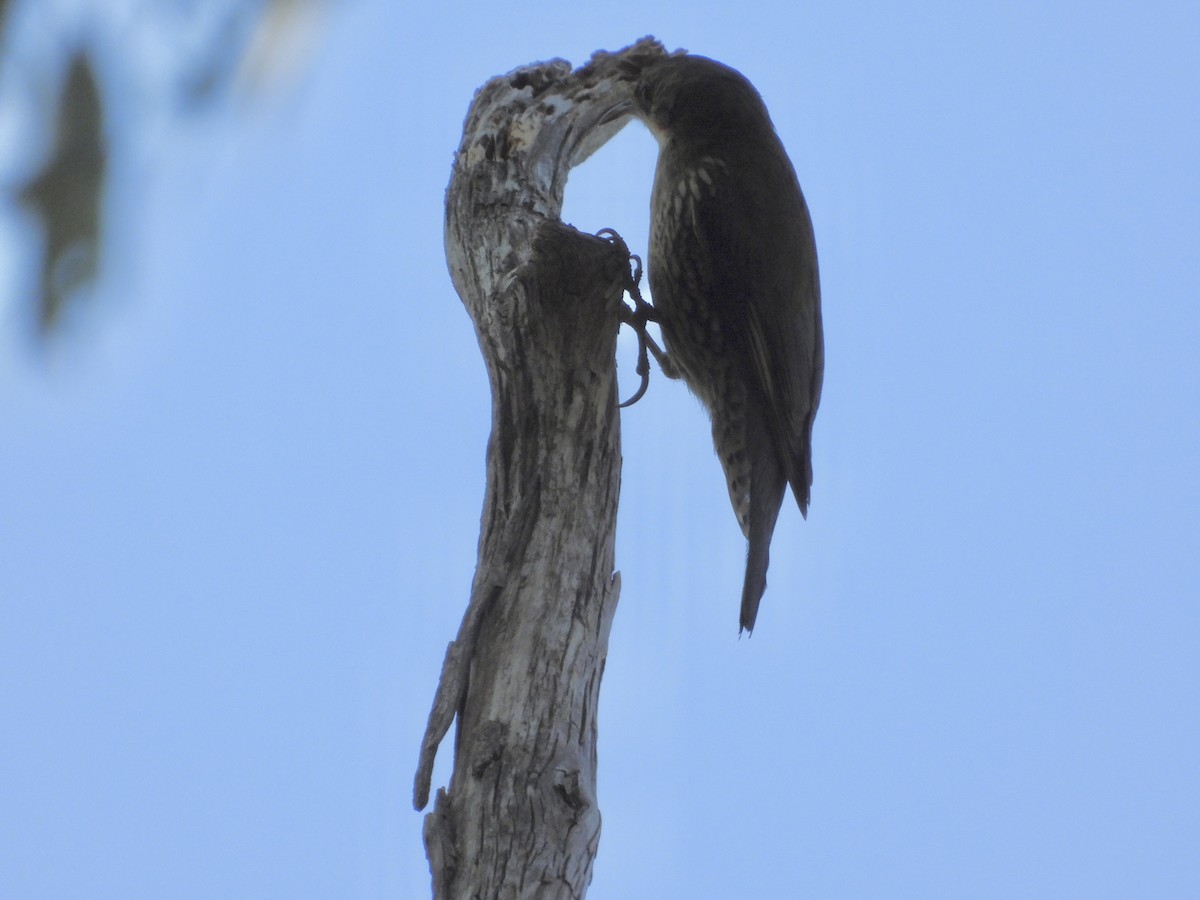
[520,818]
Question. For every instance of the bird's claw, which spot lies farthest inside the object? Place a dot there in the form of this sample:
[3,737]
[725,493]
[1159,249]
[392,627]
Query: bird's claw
[638,317]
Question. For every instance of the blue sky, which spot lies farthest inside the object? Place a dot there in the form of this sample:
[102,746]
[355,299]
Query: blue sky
[239,516]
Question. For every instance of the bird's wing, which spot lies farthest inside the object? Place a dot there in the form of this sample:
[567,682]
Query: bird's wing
[787,356]
[783,326]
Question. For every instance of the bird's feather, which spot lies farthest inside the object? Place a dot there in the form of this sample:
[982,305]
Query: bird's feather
[733,273]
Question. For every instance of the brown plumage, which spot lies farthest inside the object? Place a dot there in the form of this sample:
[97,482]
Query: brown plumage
[733,274]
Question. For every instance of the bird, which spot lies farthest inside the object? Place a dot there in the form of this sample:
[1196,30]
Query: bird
[735,287]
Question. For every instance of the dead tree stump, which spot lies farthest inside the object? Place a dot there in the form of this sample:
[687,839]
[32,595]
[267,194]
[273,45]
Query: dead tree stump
[520,818]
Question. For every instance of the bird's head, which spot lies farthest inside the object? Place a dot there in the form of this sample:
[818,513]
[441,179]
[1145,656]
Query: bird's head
[696,99]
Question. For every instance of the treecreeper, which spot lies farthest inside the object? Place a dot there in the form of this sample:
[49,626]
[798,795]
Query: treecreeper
[734,281]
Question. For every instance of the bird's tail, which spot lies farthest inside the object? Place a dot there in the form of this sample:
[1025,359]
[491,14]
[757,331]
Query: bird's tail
[766,496]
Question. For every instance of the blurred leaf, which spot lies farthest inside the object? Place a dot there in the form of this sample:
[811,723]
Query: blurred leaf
[65,194]
[206,80]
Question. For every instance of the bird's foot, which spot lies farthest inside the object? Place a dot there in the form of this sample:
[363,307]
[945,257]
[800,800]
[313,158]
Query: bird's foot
[665,363]
[637,319]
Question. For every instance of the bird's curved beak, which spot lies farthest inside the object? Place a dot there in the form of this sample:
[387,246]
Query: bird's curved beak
[622,110]
[609,122]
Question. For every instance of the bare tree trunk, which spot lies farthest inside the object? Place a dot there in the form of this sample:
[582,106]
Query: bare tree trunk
[520,818]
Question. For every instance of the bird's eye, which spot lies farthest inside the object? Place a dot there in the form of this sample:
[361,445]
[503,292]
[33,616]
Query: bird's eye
[641,95]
